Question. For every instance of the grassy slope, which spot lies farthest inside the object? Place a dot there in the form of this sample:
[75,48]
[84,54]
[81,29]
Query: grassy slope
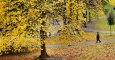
[103,25]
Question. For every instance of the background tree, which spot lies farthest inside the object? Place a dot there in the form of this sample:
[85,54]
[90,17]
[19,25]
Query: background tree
[108,8]
[111,20]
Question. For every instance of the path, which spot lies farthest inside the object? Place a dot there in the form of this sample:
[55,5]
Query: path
[78,44]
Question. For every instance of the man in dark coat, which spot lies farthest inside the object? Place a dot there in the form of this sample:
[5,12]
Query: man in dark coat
[98,38]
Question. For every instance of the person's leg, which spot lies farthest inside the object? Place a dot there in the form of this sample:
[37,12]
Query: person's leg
[97,41]
[100,41]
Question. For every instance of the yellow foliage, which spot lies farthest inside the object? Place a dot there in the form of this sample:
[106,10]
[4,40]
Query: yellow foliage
[17,43]
[68,8]
[26,17]
[112,2]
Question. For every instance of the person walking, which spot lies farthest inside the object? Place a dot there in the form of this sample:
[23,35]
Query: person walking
[98,38]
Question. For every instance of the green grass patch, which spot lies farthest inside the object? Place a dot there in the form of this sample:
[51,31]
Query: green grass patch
[103,25]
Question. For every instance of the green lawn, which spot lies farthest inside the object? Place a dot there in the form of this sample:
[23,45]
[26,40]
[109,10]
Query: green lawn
[102,24]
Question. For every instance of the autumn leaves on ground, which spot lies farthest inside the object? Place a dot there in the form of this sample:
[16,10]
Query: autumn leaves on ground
[85,52]
[34,29]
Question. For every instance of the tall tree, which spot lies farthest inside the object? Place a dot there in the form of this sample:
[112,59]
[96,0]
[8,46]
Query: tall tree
[111,20]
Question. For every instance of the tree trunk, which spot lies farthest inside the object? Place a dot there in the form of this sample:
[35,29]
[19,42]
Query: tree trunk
[43,55]
[89,17]
[43,52]
[110,31]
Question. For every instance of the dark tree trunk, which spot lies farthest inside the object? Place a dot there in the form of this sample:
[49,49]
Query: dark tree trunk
[43,35]
[43,52]
[110,31]
[89,17]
